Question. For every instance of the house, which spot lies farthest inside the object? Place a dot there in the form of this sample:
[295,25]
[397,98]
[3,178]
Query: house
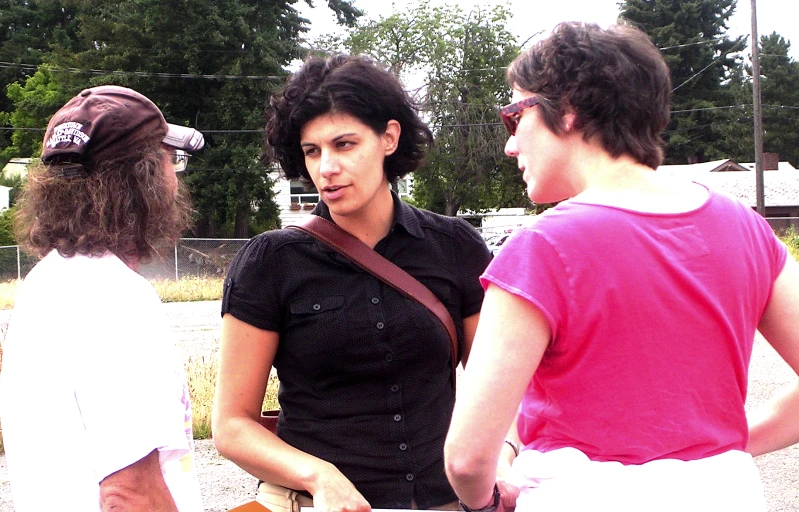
[780,184]
[16,167]
[295,198]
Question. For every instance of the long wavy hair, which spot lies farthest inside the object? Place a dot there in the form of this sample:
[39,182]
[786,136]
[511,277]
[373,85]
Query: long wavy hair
[126,206]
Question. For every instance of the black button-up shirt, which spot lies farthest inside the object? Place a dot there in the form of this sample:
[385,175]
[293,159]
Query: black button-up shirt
[364,371]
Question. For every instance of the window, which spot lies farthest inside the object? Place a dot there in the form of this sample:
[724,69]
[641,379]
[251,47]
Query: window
[303,192]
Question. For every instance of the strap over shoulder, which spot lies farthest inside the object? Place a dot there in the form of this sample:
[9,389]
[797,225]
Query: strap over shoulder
[372,262]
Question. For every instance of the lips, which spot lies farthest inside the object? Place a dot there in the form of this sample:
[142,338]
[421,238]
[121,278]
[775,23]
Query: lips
[333,192]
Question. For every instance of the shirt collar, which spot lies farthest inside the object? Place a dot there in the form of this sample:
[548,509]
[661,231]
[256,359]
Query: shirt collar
[404,216]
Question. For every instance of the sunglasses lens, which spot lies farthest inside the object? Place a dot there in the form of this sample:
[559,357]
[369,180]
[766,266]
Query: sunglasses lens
[511,122]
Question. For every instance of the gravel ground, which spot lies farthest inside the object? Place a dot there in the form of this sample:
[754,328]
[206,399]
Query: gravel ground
[224,485]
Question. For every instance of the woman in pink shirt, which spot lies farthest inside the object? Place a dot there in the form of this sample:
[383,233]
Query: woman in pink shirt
[616,332]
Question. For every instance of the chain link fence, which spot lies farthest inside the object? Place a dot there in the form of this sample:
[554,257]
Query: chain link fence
[210,257]
[191,257]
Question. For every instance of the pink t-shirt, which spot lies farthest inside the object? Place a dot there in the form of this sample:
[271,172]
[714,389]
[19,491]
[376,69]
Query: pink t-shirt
[653,318]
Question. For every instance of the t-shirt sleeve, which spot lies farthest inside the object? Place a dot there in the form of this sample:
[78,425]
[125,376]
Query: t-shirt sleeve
[472,261]
[249,293]
[530,267]
[131,388]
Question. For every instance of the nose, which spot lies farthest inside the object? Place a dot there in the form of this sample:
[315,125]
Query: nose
[510,147]
[328,163]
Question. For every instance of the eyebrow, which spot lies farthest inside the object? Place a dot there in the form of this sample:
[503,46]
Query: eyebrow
[335,139]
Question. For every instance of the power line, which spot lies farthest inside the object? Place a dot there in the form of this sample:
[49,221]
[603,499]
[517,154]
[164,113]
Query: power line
[461,125]
[32,67]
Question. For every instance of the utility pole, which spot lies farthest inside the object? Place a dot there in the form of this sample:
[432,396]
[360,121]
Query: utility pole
[759,189]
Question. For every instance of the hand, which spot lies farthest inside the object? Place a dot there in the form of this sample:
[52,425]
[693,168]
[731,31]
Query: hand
[335,493]
[507,495]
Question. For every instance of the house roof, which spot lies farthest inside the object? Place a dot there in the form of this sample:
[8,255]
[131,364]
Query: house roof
[780,187]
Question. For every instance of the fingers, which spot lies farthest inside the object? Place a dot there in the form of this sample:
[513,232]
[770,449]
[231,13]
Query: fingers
[507,495]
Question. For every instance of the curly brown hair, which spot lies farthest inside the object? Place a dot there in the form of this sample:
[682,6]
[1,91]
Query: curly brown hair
[350,84]
[614,80]
[125,206]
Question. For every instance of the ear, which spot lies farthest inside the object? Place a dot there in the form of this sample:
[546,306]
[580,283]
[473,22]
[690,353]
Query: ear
[391,136]
[569,121]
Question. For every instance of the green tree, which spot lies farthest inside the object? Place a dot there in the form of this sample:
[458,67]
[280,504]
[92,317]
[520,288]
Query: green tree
[29,30]
[461,57]
[780,102]
[34,102]
[702,59]
[208,64]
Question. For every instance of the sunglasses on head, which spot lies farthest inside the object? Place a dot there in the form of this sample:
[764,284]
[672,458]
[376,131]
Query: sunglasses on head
[511,114]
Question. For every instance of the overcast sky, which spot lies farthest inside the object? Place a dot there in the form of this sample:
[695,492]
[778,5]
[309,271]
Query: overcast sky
[530,17]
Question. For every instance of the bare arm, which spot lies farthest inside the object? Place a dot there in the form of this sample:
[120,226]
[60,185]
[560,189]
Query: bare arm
[245,360]
[775,425]
[138,487]
[469,329]
[510,341]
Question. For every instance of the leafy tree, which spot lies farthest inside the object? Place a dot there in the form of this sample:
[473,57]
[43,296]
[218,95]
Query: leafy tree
[702,60]
[7,229]
[208,64]
[462,56]
[34,104]
[29,29]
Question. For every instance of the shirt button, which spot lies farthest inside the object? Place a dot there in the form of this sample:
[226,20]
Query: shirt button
[317,307]
[380,325]
[409,477]
[375,300]
[394,388]
[403,447]
[397,417]
[389,358]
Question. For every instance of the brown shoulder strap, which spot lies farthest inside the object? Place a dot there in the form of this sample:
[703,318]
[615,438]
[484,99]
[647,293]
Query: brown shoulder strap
[370,261]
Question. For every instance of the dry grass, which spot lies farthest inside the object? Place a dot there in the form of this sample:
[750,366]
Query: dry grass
[189,289]
[201,376]
[8,293]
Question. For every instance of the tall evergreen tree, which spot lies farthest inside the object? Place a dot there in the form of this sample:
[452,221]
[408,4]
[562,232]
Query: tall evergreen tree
[779,96]
[702,59]
[208,64]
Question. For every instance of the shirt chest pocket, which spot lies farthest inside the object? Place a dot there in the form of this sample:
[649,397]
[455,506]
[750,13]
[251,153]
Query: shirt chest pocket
[311,322]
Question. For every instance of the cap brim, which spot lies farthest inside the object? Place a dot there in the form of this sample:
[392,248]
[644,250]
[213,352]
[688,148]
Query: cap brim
[183,137]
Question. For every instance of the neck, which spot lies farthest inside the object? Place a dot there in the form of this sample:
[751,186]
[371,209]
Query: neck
[373,224]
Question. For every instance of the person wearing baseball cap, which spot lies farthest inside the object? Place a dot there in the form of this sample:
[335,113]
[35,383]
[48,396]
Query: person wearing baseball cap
[93,400]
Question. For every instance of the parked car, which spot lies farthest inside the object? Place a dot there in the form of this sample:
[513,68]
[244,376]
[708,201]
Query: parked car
[495,242]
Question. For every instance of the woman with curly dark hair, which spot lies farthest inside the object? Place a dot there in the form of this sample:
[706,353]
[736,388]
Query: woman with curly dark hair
[365,373]
[629,309]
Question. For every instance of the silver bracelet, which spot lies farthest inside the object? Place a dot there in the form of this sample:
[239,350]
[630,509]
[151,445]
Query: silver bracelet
[513,445]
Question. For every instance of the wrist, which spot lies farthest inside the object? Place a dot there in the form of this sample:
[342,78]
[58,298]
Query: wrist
[491,507]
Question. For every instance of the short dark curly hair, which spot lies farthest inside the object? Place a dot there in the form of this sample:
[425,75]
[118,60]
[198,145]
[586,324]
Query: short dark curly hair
[126,206]
[614,80]
[349,84]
